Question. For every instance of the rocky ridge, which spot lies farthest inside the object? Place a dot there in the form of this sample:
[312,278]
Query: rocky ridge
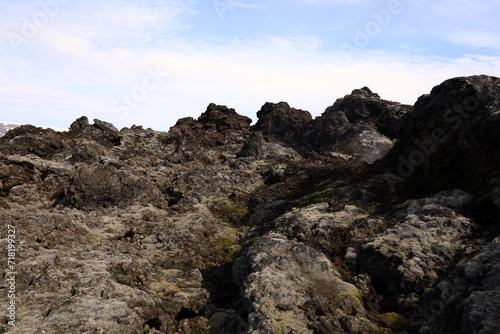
[375,217]
[6,126]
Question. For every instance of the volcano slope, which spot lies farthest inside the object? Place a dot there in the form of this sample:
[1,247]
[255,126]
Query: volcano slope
[375,217]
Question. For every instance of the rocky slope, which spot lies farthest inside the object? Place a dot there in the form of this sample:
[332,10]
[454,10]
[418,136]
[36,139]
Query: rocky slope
[375,217]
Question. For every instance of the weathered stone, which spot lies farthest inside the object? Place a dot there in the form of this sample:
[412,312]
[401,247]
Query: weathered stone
[283,122]
[290,287]
[457,124]
[360,124]
[255,146]
[223,118]
[417,250]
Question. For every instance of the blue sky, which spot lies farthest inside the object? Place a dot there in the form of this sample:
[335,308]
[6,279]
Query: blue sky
[150,62]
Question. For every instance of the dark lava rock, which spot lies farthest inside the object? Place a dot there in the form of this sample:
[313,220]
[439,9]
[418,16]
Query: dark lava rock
[360,124]
[219,127]
[451,139]
[28,139]
[95,186]
[223,118]
[102,132]
[283,122]
[88,152]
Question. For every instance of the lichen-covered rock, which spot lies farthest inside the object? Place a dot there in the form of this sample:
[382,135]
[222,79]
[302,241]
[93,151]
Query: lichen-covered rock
[111,270]
[289,287]
[418,249]
[482,307]
[329,232]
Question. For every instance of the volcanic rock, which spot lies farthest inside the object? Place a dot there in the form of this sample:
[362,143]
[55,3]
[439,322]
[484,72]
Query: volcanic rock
[360,124]
[290,287]
[283,122]
[450,140]
[290,226]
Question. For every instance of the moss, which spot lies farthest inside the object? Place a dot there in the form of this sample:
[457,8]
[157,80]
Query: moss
[217,275]
[324,190]
[283,322]
[345,295]
[217,322]
[310,198]
[226,248]
[204,325]
[280,328]
[267,307]
[354,293]
[394,321]
[232,211]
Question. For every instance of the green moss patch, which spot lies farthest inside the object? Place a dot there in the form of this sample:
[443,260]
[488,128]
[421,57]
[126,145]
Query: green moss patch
[233,211]
[394,321]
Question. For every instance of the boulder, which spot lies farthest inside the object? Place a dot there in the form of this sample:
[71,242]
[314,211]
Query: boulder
[288,287]
[360,124]
[451,140]
[282,122]
[223,119]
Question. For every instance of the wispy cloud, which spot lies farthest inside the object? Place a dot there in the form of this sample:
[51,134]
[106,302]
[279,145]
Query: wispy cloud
[88,57]
[332,1]
[475,38]
[245,5]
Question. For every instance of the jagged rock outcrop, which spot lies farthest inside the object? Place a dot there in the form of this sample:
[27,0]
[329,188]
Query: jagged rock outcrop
[255,146]
[283,122]
[102,132]
[361,125]
[220,227]
[28,139]
[220,131]
[450,140]
[223,119]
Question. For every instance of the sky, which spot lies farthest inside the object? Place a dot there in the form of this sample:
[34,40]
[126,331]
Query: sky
[151,62]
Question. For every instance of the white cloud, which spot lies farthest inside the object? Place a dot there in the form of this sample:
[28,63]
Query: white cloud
[245,5]
[476,38]
[243,75]
[332,1]
[89,57]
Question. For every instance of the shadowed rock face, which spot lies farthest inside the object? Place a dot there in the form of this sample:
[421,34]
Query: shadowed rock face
[220,227]
[283,122]
[450,139]
[360,124]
